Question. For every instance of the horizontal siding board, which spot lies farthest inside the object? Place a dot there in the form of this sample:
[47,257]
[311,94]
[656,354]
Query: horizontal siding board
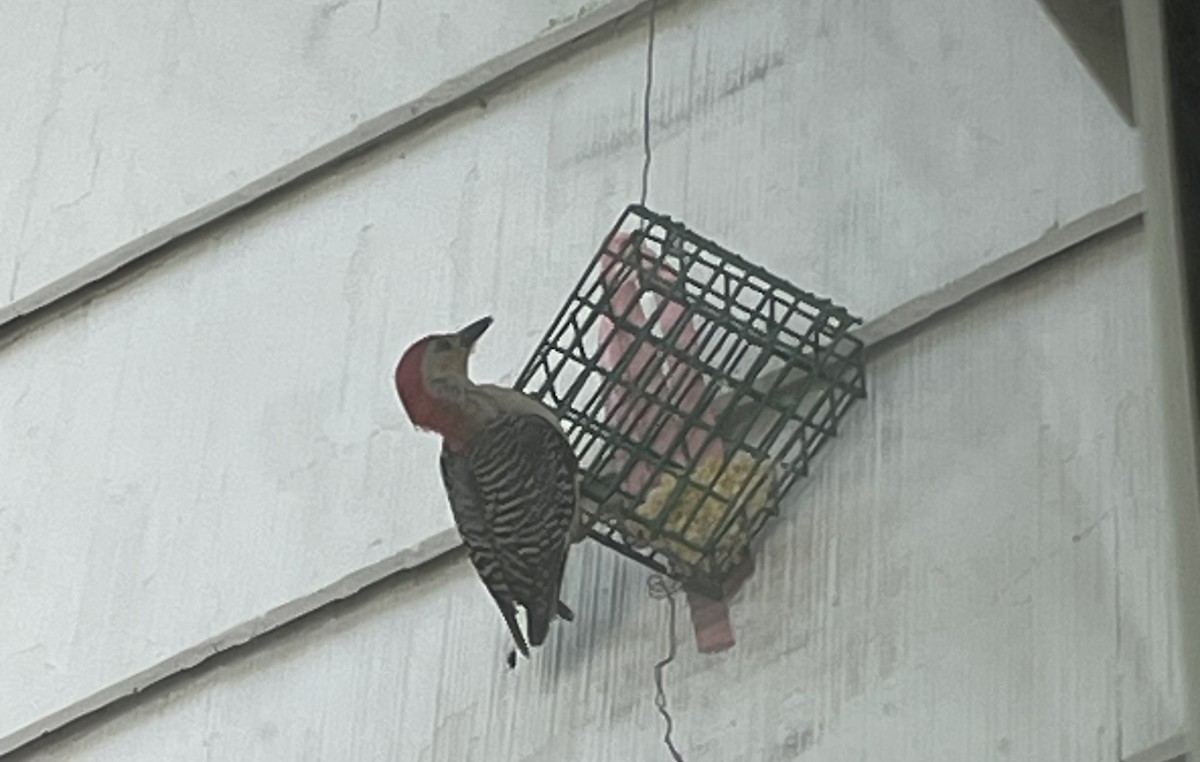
[125,116]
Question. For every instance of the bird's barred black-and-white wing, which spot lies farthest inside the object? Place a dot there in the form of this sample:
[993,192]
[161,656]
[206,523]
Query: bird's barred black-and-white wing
[512,493]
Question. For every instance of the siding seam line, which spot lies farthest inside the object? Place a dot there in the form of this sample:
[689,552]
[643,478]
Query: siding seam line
[466,90]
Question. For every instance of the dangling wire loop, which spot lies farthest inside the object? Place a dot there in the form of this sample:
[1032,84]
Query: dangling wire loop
[660,588]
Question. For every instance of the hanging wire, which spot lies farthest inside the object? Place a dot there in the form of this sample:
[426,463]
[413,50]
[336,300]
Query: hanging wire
[663,587]
[646,105]
[660,587]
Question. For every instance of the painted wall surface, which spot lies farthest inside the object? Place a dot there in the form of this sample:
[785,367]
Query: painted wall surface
[218,436]
[952,583]
[122,115]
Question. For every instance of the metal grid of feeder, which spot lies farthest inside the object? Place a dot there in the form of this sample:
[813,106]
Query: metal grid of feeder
[696,388]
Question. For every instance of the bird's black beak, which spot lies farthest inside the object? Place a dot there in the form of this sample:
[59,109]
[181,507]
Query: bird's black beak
[469,335]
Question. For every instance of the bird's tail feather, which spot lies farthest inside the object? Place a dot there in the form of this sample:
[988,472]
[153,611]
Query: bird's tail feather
[509,612]
[539,621]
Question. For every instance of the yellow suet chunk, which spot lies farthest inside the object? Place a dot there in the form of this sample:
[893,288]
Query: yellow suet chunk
[718,510]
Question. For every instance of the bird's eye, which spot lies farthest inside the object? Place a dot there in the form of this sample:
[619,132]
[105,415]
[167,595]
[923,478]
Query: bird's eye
[441,345]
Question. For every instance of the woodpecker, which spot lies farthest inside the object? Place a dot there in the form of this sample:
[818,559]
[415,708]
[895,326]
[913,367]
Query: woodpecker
[510,476]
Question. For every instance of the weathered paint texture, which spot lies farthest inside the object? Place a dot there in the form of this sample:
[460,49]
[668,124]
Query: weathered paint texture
[218,436]
[952,583]
[121,116]
[233,403]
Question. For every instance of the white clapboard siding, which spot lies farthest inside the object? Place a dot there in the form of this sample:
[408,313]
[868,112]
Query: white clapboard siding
[122,115]
[949,585]
[219,435]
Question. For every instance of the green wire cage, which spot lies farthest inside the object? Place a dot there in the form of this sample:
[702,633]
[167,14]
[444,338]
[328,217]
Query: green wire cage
[696,388]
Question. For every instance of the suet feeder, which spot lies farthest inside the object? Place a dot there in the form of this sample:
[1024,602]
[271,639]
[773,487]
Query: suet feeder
[696,388]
